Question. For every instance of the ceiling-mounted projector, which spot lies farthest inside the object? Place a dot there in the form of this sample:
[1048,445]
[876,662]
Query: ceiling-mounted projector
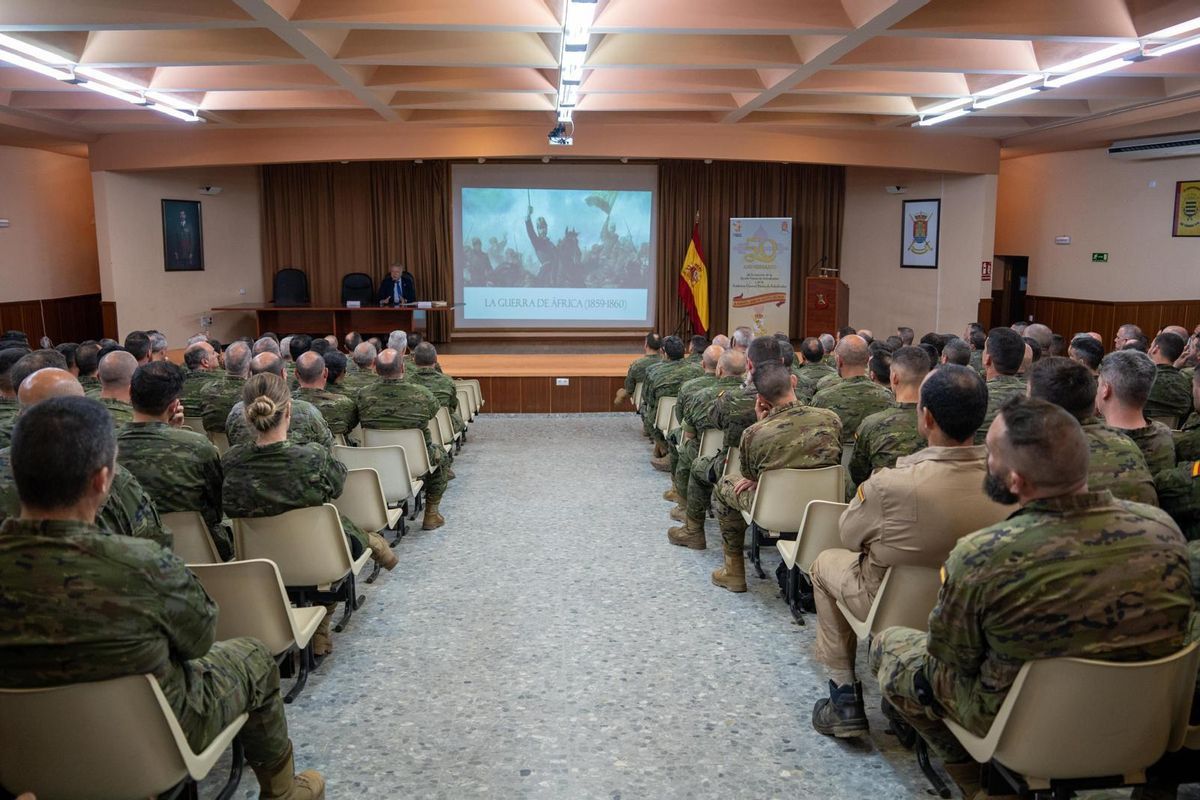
[559,137]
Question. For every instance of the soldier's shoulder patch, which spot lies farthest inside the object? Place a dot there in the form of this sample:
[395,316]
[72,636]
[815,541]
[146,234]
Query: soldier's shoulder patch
[860,494]
[1196,469]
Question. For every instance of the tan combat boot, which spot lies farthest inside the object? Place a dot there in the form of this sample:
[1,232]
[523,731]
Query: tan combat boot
[322,642]
[690,535]
[679,514]
[280,782]
[672,495]
[662,464]
[432,519]
[732,576]
[382,552]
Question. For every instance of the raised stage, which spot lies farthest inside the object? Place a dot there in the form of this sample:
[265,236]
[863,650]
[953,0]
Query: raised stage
[529,383]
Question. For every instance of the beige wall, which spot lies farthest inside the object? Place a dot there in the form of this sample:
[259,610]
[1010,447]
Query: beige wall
[129,232]
[49,250]
[1123,208]
[884,296]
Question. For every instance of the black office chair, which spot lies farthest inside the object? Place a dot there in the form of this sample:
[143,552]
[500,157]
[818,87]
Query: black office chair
[291,288]
[408,287]
[358,286]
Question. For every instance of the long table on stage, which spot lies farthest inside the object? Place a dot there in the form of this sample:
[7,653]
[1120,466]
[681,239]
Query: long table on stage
[338,320]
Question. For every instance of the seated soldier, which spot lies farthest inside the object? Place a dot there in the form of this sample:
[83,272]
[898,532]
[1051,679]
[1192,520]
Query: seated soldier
[1040,584]
[1171,394]
[886,435]
[87,361]
[696,347]
[202,369]
[1003,357]
[339,411]
[221,395]
[180,469]
[664,380]
[128,511]
[1086,351]
[392,403]
[1187,441]
[913,515]
[1114,462]
[956,351]
[651,354]
[142,611]
[363,358]
[812,370]
[852,396]
[116,371]
[788,435]
[1126,377]
[272,474]
[137,344]
[440,385]
[307,424]
[1131,336]
[683,450]
[8,392]
[976,336]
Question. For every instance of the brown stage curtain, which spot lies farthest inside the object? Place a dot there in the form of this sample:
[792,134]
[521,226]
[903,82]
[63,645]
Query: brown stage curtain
[333,219]
[812,195]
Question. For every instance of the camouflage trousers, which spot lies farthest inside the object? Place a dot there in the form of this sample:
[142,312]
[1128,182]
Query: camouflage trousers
[222,540]
[897,656]
[235,676]
[729,514]
[683,457]
[435,483]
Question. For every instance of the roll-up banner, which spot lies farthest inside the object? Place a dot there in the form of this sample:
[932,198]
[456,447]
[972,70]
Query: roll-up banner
[760,273]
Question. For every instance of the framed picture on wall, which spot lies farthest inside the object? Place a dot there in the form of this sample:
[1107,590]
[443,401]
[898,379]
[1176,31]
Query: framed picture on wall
[919,229]
[183,236]
[1187,209]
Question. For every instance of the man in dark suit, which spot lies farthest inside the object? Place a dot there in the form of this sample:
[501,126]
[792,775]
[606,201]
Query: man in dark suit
[397,288]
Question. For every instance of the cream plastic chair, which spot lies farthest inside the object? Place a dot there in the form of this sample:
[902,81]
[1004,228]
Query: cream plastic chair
[413,442]
[446,426]
[781,499]
[664,413]
[254,603]
[1068,719]
[711,440]
[193,543]
[340,439]
[309,547]
[106,740]
[1171,422]
[363,503]
[196,424]
[435,433]
[906,596]
[476,389]
[819,531]
[733,463]
[465,406]
[637,395]
[390,463]
[220,440]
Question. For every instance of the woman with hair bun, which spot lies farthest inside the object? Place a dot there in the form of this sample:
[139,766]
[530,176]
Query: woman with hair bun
[273,475]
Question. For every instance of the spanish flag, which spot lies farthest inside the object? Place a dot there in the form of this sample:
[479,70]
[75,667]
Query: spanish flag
[693,284]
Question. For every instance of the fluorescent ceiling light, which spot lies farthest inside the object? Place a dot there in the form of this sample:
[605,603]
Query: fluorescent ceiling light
[112,91]
[943,117]
[1008,86]
[1174,47]
[172,101]
[39,53]
[1004,98]
[111,80]
[949,105]
[1096,69]
[1099,55]
[578,26]
[1175,30]
[176,113]
[34,66]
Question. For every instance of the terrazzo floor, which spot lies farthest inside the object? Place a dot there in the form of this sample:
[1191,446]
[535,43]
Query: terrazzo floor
[548,642]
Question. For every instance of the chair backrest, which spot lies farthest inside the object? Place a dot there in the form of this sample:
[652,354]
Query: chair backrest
[195,423]
[307,544]
[664,413]
[819,531]
[220,441]
[362,501]
[358,286]
[784,494]
[105,740]
[445,425]
[733,463]
[1170,421]
[906,596]
[390,463]
[710,442]
[1070,718]
[465,409]
[290,288]
[411,439]
[473,384]
[192,541]
[637,394]
[252,600]
[435,432]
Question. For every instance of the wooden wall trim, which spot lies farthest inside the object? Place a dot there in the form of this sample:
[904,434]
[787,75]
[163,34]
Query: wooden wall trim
[63,319]
[542,395]
[1067,316]
[108,313]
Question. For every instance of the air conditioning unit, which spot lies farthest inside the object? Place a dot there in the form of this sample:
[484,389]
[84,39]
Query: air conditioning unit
[1185,144]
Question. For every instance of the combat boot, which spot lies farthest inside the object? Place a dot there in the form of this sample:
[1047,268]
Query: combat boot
[280,782]
[322,642]
[690,535]
[660,450]
[672,495]
[662,464]
[966,776]
[842,714]
[382,551]
[679,514]
[732,576]
[432,519]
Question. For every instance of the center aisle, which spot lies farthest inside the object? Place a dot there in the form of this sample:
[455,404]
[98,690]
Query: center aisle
[549,643]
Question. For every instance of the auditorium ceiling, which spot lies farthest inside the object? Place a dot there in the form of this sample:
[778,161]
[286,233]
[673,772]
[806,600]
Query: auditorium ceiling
[779,65]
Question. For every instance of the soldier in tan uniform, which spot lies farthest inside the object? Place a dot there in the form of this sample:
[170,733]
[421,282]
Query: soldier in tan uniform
[912,514]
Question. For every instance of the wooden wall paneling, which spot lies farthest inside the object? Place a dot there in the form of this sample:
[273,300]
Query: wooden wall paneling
[984,315]
[595,394]
[1069,315]
[23,315]
[535,395]
[504,395]
[108,315]
[566,399]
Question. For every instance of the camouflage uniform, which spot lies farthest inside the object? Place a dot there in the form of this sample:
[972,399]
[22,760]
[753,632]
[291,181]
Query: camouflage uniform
[830,361]
[699,417]
[683,453]
[807,377]
[441,386]
[338,410]
[976,362]
[1179,494]
[637,371]
[1187,441]
[1156,445]
[404,405]
[1171,394]
[130,608]
[121,412]
[194,383]
[664,381]
[825,381]
[882,438]
[91,385]
[853,400]
[180,470]
[1044,583]
[307,425]
[792,436]
[351,384]
[1115,463]
[733,412]
[695,358]
[217,398]
[8,418]
[999,388]
[283,476]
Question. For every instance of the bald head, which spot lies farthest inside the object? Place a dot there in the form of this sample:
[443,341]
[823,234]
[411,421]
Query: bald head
[267,362]
[731,364]
[721,341]
[237,359]
[712,354]
[310,370]
[852,354]
[115,373]
[47,383]
[267,345]
[364,355]
[1041,334]
[390,364]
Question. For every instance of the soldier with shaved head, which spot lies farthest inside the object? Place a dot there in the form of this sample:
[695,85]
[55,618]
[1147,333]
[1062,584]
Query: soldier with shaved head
[886,435]
[338,410]
[854,396]
[116,371]
[221,395]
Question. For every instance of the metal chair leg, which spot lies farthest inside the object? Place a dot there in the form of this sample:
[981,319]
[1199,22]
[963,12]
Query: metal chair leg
[304,659]
[931,774]
[374,572]
[235,771]
[755,559]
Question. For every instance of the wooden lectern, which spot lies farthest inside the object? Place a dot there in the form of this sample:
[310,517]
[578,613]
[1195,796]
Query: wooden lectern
[826,306]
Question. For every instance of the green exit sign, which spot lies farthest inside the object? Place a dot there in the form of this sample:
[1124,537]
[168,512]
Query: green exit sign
[1099,256]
